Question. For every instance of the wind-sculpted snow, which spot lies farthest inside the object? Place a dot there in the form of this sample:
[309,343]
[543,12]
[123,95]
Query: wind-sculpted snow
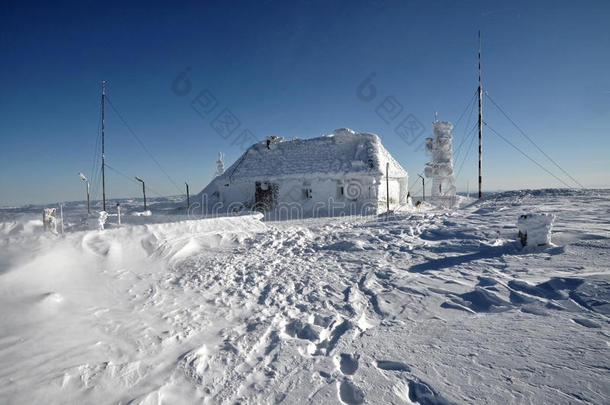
[434,307]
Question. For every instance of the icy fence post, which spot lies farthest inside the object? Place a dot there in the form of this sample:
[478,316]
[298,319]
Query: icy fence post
[102,220]
[118,213]
[49,219]
[535,229]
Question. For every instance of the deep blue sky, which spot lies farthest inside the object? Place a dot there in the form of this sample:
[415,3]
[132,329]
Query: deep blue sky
[293,69]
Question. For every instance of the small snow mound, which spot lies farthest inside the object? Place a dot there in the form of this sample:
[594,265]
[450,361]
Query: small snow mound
[17,228]
[189,248]
[52,297]
[195,362]
[346,246]
[343,131]
[146,213]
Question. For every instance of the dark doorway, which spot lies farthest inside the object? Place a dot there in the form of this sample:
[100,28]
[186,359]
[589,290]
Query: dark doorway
[264,196]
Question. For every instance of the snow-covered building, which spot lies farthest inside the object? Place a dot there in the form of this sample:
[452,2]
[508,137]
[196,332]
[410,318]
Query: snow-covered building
[345,172]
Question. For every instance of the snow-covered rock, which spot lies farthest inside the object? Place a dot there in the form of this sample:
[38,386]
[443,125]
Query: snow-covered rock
[535,229]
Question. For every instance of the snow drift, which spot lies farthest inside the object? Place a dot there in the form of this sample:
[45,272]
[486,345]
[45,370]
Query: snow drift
[433,307]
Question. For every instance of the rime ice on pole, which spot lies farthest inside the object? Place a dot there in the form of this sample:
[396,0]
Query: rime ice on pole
[535,229]
[441,167]
[49,220]
[220,166]
[102,220]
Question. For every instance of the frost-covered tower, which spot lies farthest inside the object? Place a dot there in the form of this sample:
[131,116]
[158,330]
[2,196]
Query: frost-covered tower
[441,167]
[345,172]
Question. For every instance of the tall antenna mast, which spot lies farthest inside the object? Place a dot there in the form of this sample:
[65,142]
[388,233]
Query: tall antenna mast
[480,119]
[103,163]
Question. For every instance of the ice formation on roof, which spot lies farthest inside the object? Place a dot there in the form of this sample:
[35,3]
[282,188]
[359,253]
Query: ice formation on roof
[441,167]
[342,151]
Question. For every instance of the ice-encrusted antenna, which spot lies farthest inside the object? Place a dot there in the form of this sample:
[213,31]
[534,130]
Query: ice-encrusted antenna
[103,155]
[480,92]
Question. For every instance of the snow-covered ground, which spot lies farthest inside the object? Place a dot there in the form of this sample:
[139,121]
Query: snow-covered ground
[424,307]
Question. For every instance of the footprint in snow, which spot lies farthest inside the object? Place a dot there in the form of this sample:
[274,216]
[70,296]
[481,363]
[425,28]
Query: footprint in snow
[302,330]
[423,394]
[350,393]
[416,391]
[348,363]
[390,365]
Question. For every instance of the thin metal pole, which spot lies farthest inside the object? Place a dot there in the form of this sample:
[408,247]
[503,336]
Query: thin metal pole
[103,156]
[61,212]
[480,122]
[188,198]
[144,192]
[387,185]
[423,186]
[88,199]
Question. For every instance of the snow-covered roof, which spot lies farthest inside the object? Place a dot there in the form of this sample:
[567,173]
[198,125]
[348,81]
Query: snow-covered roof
[343,151]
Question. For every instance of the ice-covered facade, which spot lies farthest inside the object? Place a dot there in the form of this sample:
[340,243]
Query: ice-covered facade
[441,167]
[337,174]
